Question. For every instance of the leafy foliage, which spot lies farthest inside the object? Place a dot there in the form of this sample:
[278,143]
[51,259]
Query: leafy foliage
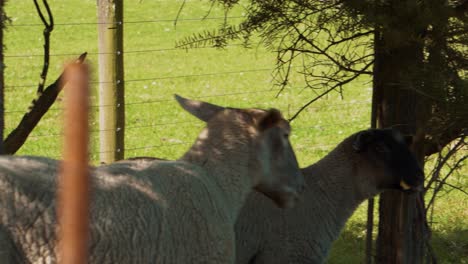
[330,43]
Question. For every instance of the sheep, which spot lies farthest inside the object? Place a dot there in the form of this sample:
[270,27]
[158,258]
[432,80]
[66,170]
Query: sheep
[363,165]
[153,211]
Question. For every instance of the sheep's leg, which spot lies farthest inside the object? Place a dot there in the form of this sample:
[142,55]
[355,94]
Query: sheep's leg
[9,253]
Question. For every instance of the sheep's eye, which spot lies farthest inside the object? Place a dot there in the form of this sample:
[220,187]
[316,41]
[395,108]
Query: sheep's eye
[286,135]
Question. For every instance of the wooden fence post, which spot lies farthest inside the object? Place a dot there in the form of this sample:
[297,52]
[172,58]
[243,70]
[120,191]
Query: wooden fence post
[2,80]
[73,185]
[111,80]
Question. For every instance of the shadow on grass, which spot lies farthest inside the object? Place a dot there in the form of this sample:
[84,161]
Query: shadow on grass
[450,247]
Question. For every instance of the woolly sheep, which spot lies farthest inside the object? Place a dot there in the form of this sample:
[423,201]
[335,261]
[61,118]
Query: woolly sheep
[150,211]
[361,166]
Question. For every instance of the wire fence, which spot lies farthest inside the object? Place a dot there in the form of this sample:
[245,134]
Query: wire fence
[155,70]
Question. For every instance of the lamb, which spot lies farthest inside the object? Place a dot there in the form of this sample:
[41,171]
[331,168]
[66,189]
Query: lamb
[363,165]
[153,211]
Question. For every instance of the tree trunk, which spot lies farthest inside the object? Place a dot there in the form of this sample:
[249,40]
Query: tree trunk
[398,79]
[2,76]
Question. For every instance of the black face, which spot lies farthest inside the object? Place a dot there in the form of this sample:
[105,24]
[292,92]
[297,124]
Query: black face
[390,148]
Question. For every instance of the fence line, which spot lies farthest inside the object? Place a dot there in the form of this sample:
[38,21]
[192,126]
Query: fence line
[363,102]
[198,19]
[123,52]
[161,78]
[310,132]
[173,120]
[198,124]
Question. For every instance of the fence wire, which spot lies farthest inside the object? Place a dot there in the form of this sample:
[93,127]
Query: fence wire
[155,70]
[154,114]
[93,23]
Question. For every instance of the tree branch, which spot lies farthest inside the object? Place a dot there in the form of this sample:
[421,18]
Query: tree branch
[49,27]
[357,35]
[323,52]
[39,107]
[438,142]
[179,12]
[454,187]
[443,161]
[341,83]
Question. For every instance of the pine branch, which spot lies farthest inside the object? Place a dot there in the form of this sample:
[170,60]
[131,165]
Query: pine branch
[216,38]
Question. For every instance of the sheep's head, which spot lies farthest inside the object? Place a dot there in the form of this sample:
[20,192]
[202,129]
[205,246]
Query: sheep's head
[275,162]
[271,162]
[389,159]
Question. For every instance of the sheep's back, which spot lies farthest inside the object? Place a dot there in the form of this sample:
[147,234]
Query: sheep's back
[176,203]
[137,211]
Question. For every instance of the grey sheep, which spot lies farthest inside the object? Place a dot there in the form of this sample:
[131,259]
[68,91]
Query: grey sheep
[150,211]
[363,165]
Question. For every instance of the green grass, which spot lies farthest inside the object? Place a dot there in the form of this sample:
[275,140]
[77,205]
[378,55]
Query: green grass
[160,128]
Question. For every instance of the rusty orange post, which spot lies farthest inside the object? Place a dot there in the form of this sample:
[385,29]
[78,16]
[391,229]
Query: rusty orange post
[73,186]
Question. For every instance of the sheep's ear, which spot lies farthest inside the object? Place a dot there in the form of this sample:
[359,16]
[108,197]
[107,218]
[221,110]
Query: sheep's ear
[272,117]
[362,139]
[202,110]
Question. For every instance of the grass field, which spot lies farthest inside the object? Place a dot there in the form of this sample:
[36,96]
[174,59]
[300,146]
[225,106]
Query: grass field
[234,76]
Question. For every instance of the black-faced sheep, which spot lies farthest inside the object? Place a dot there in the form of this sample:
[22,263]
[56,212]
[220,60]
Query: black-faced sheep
[361,166]
[150,211]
